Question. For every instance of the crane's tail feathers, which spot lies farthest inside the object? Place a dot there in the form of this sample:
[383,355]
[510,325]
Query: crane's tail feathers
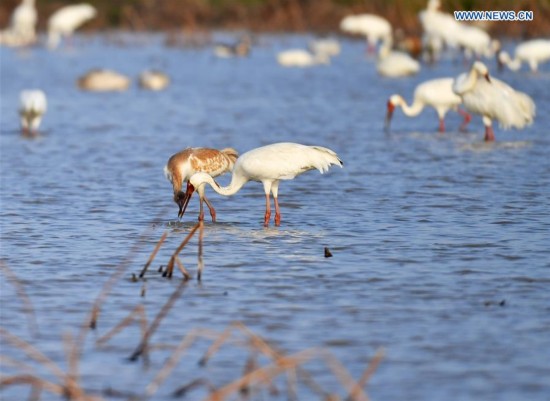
[327,158]
[231,154]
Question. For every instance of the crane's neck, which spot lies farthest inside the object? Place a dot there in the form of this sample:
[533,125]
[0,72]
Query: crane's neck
[414,109]
[237,182]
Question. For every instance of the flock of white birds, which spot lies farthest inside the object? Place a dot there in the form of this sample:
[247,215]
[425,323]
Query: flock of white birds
[475,90]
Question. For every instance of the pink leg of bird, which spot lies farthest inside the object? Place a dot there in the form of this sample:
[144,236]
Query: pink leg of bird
[489,133]
[467,118]
[441,125]
[267,210]
[211,209]
[201,211]
[277,212]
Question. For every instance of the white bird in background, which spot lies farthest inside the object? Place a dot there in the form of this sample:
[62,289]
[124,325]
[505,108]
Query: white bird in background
[66,20]
[373,27]
[101,80]
[436,93]
[182,165]
[394,64]
[476,42]
[239,49]
[153,80]
[531,52]
[301,58]
[268,165]
[493,99]
[328,46]
[439,29]
[22,28]
[32,106]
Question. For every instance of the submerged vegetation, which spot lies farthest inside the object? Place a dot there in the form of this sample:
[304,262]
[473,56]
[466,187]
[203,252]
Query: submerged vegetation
[281,15]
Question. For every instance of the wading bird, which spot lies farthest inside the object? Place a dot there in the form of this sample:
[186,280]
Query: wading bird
[493,99]
[301,58]
[373,27]
[66,20]
[153,80]
[531,52]
[239,49]
[22,28]
[31,109]
[268,165]
[436,93]
[100,80]
[182,165]
[395,64]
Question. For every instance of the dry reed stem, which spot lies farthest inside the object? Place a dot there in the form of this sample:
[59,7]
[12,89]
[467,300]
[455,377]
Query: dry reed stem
[182,269]
[153,254]
[156,322]
[171,363]
[181,391]
[260,344]
[138,311]
[34,382]
[368,372]
[33,353]
[21,293]
[8,361]
[264,374]
[170,267]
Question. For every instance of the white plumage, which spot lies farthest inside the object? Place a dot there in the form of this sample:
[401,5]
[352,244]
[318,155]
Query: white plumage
[532,52]
[268,165]
[439,29]
[32,106]
[66,20]
[493,99]
[101,80]
[476,42]
[373,27]
[393,63]
[436,93]
[327,46]
[153,80]
[22,28]
[301,58]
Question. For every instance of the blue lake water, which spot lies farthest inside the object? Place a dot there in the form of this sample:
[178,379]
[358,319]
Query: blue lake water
[440,242]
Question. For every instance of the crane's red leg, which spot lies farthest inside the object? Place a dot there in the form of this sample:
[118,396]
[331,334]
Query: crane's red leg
[211,209]
[467,118]
[267,210]
[441,125]
[201,212]
[489,133]
[277,212]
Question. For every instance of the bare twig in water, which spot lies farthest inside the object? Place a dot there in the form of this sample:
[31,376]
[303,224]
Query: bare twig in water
[20,291]
[137,313]
[182,269]
[153,254]
[183,390]
[370,369]
[170,267]
[156,322]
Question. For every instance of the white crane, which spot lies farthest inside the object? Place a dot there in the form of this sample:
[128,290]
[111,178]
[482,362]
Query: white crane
[66,20]
[153,80]
[493,99]
[475,42]
[439,29]
[394,64]
[532,52]
[32,106]
[102,80]
[328,46]
[301,58]
[373,27]
[269,165]
[22,28]
[182,165]
[436,93]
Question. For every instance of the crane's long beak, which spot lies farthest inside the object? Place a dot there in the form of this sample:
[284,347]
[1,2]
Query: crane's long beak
[389,115]
[487,78]
[185,201]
